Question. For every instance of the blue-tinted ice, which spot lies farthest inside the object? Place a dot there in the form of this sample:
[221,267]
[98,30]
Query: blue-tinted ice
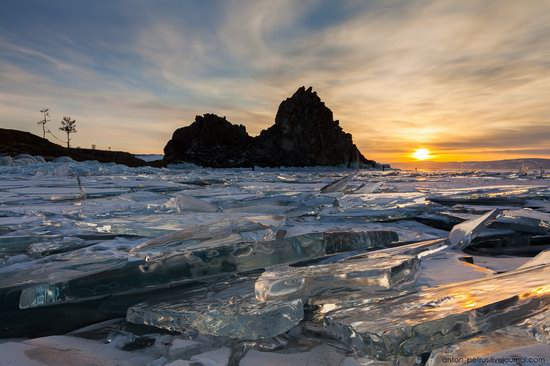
[397,263]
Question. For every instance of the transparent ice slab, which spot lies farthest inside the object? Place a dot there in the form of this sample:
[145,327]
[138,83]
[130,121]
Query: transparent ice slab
[15,244]
[536,328]
[166,269]
[525,220]
[182,203]
[339,184]
[459,238]
[60,245]
[227,309]
[373,274]
[542,258]
[491,195]
[216,233]
[462,234]
[434,317]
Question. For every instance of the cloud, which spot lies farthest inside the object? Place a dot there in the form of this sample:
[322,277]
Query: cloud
[454,76]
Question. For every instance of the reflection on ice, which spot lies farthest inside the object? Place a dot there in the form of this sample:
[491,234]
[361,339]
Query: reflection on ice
[381,255]
[224,309]
[195,262]
[462,234]
[370,275]
[222,231]
[433,317]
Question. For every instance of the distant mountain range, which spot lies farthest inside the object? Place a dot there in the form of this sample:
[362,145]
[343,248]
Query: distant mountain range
[509,164]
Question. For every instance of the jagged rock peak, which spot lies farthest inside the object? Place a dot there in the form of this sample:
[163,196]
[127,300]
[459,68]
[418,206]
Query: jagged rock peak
[304,134]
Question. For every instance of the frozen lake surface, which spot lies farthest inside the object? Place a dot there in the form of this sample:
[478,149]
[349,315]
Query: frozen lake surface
[108,265]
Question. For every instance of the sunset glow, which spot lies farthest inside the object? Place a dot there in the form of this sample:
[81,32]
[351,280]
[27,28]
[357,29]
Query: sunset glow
[421,154]
[464,86]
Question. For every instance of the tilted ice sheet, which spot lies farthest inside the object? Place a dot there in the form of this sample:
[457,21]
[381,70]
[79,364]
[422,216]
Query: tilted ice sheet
[434,317]
[168,268]
[338,185]
[525,220]
[373,274]
[536,327]
[226,309]
[462,234]
[220,232]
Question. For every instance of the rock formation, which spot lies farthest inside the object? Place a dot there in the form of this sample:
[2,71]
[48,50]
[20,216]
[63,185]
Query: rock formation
[210,141]
[304,134]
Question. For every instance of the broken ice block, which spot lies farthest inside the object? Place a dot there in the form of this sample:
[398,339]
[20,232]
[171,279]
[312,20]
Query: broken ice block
[183,202]
[505,195]
[339,184]
[462,234]
[223,231]
[58,268]
[227,309]
[372,274]
[165,269]
[15,244]
[439,316]
[541,259]
[368,188]
[49,247]
[527,221]
[536,327]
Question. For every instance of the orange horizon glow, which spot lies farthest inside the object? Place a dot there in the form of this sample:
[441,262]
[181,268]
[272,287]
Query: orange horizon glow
[421,154]
[462,88]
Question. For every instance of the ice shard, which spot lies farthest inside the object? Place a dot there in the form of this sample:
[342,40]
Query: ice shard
[220,232]
[536,327]
[227,309]
[434,317]
[15,244]
[339,184]
[460,237]
[368,188]
[541,259]
[527,221]
[462,234]
[59,268]
[184,203]
[48,247]
[164,269]
[506,195]
[376,273]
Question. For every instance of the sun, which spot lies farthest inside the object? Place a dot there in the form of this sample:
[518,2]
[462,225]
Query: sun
[421,154]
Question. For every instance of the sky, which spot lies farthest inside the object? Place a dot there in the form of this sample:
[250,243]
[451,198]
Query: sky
[467,80]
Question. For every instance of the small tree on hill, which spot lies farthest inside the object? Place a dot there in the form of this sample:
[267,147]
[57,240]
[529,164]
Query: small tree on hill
[68,126]
[45,119]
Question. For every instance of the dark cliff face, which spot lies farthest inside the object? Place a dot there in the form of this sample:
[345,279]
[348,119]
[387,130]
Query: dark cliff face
[210,141]
[304,134]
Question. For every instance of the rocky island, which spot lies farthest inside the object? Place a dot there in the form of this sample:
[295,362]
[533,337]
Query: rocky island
[304,134]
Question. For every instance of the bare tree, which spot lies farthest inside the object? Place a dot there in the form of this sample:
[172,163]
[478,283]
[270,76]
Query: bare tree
[68,126]
[45,119]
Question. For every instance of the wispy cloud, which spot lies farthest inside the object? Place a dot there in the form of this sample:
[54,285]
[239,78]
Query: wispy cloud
[459,77]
